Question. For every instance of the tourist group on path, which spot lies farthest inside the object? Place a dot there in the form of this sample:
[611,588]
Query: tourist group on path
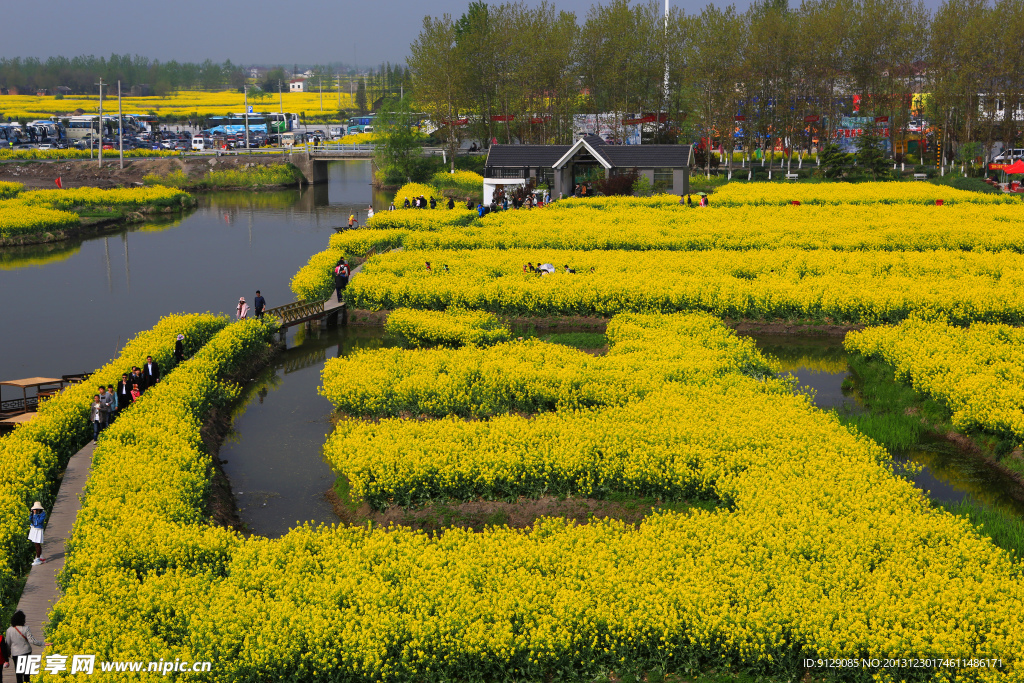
[109,402]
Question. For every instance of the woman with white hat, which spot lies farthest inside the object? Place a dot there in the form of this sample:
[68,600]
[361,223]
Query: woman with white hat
[243,309]
[179,349]
[36,519]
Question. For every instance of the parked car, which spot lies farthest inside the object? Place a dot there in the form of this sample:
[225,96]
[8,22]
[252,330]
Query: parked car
[1008,155]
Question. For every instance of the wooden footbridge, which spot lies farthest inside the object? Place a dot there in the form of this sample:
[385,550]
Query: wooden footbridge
[327,312]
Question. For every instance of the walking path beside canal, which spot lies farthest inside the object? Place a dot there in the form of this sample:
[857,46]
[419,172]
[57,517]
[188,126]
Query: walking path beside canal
[41,591]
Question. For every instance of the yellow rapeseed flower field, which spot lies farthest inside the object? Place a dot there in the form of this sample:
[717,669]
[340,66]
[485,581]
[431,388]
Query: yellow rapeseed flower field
[852,193]
[978,372]
[182,104]
[872,287]
[817,549]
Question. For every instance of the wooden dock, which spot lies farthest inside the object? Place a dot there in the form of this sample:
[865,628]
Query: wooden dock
[41,592]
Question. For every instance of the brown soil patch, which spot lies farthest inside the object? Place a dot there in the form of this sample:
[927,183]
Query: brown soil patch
[86,172]
[479,514]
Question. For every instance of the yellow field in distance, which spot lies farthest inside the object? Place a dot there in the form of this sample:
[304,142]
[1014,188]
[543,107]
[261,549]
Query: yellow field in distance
[180,103]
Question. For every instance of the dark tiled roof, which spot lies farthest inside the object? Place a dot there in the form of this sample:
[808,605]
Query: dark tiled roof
[647,156]
[518,156]
[597,144]
[620,156]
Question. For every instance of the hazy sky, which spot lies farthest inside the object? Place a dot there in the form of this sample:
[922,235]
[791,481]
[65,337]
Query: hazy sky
[246,32]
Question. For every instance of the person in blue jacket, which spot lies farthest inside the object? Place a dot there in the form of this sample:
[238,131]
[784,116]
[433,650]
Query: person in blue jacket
[36,520]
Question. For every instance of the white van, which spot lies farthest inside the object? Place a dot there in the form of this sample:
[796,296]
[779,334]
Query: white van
[334,132]
[200,144]
[1008,155]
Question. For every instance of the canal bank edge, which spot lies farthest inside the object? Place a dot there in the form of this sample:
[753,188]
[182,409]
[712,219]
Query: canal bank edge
[41,174]
[221,506]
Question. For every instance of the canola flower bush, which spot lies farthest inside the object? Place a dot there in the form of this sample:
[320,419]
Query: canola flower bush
[33,154]
[978,372]
[9,189]
[87,197]
[461,183]
[619,225]
[869,287]
[34,453]
[530,375]
[821,551]
[412,190]
[182,103]
[418,219]
[358,139]
[17,218]
[828,194]
[525,376]
[453,328]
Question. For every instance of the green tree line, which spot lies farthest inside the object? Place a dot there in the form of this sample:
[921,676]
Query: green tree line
[80,74]
[512,71]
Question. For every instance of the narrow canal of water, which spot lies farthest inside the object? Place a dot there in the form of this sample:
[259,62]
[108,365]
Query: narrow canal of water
[69,307]
[273,452]
[946,473]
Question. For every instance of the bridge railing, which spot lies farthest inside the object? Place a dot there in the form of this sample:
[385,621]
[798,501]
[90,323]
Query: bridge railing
[297,312]
[338,148]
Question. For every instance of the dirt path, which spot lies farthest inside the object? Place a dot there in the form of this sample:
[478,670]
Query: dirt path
[87,173]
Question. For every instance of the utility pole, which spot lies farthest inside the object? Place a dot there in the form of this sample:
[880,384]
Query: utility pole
[320,78]
[245,90]
[101,123]
[120,125]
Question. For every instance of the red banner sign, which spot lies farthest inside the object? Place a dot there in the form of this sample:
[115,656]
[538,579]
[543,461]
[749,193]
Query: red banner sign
[998,167]
[741,118]
[540,119]
[456,122]
[498,117]
[812,118]
[881,119]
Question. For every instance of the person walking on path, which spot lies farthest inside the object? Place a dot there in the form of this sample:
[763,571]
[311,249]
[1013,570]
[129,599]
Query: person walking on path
[260,303]
[124,391]
[114,404]
[151,372]
[341,275]
[108,404]
[21,640]
[96,416]
[179,348]
[369,212]
[242,311]
[36,522]
[137,380]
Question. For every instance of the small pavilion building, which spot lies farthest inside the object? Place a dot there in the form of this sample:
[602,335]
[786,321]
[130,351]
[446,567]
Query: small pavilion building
[564,167]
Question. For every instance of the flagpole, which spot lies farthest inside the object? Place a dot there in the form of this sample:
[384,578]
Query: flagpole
[245,89]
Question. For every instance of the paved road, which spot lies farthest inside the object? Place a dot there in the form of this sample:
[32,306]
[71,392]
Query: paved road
[41,591]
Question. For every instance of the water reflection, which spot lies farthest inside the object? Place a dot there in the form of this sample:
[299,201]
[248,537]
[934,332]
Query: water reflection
[72,305]
[274,453]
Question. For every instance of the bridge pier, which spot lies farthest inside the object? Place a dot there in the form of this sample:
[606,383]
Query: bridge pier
[313,169]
